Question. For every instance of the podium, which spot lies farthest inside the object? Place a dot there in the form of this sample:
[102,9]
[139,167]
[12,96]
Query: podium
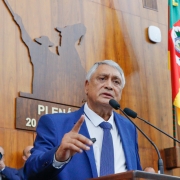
[137,175]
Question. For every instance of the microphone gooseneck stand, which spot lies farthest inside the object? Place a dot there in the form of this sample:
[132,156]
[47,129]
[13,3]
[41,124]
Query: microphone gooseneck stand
[133,114]
[116,106]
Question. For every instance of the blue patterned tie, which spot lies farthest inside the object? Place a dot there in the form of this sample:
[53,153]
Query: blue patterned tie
[107,152]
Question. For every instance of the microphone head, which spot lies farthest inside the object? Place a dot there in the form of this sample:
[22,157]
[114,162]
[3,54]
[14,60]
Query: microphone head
[114,104]
[130,112]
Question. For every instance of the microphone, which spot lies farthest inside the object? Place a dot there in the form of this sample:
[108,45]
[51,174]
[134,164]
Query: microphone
[116,106]
[133,114]
[93,140]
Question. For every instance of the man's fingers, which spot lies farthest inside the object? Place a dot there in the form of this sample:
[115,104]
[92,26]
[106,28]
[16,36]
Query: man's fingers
[81,141]
[71,137]
[74,149]
[77,126]
[77,146]
[73,142]
[84,139]
[76,135]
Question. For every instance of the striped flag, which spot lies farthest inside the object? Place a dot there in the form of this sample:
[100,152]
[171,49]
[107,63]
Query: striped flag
[174,52]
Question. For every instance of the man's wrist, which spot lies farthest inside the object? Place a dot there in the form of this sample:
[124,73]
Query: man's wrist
[58,164]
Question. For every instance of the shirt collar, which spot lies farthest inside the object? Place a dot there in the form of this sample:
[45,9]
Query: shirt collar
[95,118]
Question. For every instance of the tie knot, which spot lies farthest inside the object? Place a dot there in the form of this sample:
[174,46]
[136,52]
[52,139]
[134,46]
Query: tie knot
[105,125]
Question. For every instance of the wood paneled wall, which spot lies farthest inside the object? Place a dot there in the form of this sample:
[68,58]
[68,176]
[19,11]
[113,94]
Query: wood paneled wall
[116,29]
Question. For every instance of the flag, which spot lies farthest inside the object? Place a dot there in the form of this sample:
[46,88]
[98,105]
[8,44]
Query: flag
[174,52]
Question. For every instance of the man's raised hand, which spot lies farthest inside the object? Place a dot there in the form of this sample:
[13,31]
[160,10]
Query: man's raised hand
[73,142]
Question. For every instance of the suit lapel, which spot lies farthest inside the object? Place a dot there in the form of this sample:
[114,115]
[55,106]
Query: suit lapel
[89,153]
[126,139]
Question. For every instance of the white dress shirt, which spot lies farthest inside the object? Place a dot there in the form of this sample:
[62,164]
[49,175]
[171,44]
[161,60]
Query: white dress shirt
[95,131]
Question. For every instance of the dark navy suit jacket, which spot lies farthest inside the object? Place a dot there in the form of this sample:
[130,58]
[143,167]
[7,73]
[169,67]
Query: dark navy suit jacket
[10,174]
[50,131]
[21,174]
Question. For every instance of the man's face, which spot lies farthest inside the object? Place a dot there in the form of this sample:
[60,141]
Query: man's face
[105,84]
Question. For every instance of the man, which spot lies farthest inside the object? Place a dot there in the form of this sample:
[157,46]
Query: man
[26,154]
[7,173]
[63,148]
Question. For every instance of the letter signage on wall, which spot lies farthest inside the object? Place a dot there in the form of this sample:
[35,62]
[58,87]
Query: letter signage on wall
[27,117]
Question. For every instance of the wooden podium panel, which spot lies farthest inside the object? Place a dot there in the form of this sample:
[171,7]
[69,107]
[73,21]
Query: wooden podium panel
[137,175]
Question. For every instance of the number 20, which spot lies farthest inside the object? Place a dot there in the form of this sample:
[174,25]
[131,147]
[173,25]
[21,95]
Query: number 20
[30,122]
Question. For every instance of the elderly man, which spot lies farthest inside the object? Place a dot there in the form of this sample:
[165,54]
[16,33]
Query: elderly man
[7,173]
[63,148]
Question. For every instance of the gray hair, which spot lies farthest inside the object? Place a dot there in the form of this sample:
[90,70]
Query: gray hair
[110,63]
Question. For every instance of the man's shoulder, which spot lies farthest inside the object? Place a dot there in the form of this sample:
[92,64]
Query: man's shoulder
[7,168]
[10,170]
[10,173]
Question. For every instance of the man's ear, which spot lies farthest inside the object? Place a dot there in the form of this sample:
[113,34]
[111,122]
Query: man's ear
[24,157]
[86,86]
